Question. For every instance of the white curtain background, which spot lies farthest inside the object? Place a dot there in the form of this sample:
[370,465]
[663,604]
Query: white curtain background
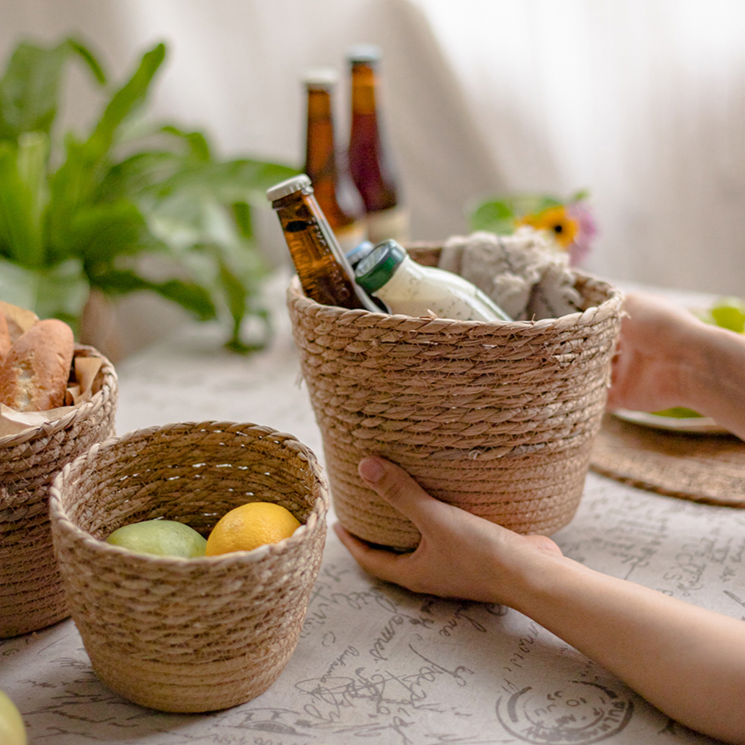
[642,102]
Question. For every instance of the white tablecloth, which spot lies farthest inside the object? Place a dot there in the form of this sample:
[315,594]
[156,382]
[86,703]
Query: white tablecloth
[375,663]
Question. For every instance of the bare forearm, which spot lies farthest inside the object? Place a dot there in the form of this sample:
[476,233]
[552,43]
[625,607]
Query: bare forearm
[667,358]
[687,661]
[716,378]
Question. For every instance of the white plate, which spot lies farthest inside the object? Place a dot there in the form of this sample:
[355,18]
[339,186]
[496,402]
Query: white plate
[700,424]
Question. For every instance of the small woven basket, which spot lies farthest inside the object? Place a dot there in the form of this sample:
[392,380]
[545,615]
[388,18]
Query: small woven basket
[31,595]
[497,418]
[188,635]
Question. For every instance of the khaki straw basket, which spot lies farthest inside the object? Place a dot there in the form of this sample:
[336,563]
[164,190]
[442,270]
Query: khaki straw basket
[31,595]
[188,635]
[497,418]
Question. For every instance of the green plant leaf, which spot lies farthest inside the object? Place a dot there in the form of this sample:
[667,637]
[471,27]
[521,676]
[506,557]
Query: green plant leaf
[581,195]
[89,59]
[29,89]
[125,102]
[189,295]
[60,291]
[237,343]
[495,216]
[198,146]
[33,151]
[136,174]
[33,154]
[86,162]
[235,294]
[499,215]
[243,219]
[227,182]
[105,231]
[21,202]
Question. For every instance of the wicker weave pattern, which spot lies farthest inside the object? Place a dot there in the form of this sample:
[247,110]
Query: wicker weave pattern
[31,595]
[498,418]
[188,635]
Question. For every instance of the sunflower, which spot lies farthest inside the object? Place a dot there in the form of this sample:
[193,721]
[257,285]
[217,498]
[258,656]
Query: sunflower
[569,222]
[557,221]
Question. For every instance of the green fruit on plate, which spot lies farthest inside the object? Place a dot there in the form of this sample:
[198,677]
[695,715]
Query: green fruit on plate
[678,412]
[729,313]
[12,729]
[160,538]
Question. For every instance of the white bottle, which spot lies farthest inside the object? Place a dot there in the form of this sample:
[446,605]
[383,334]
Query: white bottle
[389,273]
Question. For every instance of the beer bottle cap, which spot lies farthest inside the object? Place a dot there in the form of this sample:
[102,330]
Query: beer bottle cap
[379,265]
[290,186]
[364,53]
[320,77]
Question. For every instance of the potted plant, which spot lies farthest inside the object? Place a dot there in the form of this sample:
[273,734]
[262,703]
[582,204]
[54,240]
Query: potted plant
[132,205]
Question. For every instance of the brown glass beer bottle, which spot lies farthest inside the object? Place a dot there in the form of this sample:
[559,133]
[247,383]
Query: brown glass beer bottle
[370,161]
[320,263]
[326,165]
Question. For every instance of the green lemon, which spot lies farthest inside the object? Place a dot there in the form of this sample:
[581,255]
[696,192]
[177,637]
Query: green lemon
[729,313]
[679,412]
[12,730]
[159,537]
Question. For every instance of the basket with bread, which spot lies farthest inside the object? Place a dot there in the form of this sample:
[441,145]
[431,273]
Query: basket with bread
[57,399]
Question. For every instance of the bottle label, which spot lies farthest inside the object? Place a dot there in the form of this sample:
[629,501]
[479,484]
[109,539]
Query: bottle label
[350,236]
[418,291]
[391,223]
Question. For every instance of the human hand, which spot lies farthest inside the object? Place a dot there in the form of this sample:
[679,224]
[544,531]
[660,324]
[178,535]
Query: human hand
[651,366]
[460,555]
[685,660]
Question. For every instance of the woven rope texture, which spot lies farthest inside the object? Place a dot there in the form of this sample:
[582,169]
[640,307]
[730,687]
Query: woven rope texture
[188,635]
[31,595]
[497,418]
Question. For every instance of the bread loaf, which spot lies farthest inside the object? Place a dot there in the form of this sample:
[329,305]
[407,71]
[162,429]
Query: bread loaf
[5,340]
[34,373]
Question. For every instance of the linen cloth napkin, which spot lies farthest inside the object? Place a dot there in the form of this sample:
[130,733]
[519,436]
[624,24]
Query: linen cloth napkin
[523,273]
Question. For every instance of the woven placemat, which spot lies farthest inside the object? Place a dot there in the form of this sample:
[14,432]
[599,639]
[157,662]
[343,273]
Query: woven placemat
[706,468]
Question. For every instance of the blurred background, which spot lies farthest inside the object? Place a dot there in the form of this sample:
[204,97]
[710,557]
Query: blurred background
[641,102]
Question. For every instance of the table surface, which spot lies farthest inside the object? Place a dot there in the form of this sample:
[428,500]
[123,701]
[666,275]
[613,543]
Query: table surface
[375,663]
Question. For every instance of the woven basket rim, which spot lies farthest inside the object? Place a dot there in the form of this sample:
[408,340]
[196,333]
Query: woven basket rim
[316,515]
[80,411]
[611,304]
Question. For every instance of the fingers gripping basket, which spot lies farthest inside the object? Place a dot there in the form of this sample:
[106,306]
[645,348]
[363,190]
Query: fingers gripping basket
[497,418]
[31,595]
[188,635]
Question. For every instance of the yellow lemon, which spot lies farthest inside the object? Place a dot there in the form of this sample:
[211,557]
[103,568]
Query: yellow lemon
[12,729]
[249,526]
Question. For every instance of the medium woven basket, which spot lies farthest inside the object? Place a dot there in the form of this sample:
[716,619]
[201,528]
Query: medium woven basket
[497,418]
[188,635]
[31,595]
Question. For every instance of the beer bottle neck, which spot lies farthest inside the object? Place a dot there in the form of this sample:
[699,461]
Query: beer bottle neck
[364,83]
[320,161]
[328,171]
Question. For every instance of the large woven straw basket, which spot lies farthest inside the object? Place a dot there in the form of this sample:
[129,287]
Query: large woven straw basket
[497,418]
[188,635]
[31,595]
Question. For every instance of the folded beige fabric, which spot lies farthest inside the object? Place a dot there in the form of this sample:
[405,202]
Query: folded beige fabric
[523,273]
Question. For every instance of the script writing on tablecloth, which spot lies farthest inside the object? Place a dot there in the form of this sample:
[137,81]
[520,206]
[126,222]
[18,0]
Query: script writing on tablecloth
[377,664]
